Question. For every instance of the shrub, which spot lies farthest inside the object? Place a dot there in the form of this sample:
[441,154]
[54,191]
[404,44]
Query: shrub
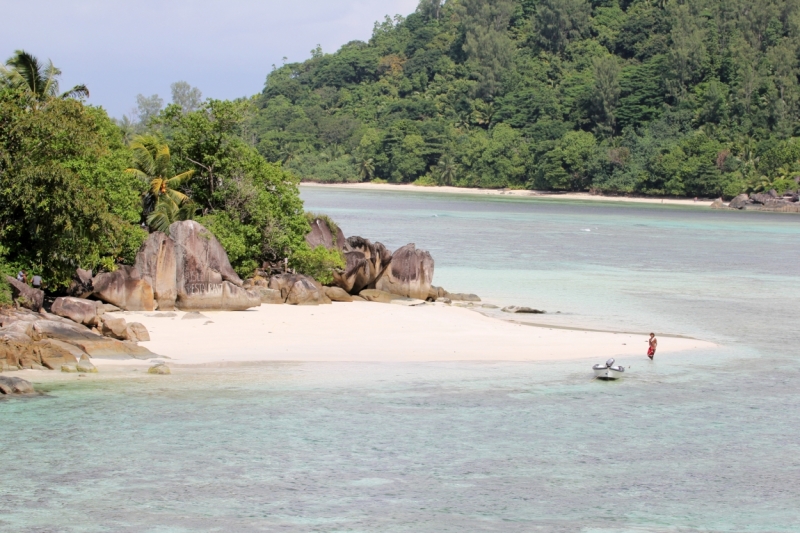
[318,263]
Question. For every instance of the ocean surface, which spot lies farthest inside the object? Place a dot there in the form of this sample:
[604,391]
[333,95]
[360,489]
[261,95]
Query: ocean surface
[704,441]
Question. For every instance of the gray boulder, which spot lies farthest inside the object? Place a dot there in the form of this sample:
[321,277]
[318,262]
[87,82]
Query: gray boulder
[321,235]
[375,295]
[86,312]
[337,294]
[25,295]
[740,202]
[136,332]
[365,262]
[718,204]
[409,273]
[12,385]
[81,285]
[125,289]
[296,289]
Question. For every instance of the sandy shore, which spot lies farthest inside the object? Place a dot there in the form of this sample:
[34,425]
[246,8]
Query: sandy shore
[512,192]
[362,331]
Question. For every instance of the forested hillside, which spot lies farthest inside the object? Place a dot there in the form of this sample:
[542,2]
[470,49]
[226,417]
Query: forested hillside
[693,98]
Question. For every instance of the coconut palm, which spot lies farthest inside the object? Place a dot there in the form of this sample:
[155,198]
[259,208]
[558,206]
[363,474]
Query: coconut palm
[24,70]
[163,203]
[448,170]
[366,169]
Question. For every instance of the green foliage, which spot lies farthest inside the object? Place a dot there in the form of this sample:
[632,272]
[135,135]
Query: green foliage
[56,157]
[318,263]
[252,206]
[489,92]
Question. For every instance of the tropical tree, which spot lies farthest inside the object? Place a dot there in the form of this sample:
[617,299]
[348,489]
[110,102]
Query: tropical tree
[163,203]
[448,170]
[366,169]
[25,71]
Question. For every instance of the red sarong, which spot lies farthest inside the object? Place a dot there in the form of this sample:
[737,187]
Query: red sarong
[651,352]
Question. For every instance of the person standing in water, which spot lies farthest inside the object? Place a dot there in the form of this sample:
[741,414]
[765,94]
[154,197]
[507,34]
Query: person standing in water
[651,352]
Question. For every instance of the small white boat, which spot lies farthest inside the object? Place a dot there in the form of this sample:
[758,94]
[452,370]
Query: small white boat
[608,370]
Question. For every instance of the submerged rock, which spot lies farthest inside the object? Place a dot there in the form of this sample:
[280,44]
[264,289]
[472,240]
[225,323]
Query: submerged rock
[462,297]
[13,385]
[516,309]
[160,369]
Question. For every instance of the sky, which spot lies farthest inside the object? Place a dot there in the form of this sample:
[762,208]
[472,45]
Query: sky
[226,48]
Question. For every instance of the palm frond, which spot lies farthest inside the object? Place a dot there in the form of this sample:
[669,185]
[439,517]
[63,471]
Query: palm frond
[180,180]
[176,197]
[79,91]
[162,216]
[138,174]
[50,86]
[162,159]
[29,70]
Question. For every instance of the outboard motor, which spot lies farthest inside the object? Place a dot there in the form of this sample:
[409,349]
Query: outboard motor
[610,363]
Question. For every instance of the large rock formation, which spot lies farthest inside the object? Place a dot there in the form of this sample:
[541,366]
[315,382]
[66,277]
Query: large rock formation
[25,295]
[12,385]
[739,202]
[364,264]
[156,264]
[190,270]
[409,274]
[124,288]
[321,235]
[204,276]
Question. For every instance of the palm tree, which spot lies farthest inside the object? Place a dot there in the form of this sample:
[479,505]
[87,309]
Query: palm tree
[448,170]
[163,203]
[24,70]
[366,169]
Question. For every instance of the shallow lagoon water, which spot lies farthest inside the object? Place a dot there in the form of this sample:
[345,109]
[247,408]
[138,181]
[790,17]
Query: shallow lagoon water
[701,441]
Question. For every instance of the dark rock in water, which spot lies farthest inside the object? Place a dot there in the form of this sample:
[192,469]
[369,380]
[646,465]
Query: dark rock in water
[156,264]
[13,385]
[125,289]
[86,312]
[321,235]
[739,202]
[409,273]
[159,369]
[204,276]
[337,294]
[81,285]
[25,295]
[463,297]
[762,198]
[515,309]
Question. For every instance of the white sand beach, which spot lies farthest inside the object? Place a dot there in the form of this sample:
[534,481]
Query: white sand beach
[361,332]
[704,202]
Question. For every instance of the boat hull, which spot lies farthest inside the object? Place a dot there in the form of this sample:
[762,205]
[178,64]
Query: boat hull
[608,373]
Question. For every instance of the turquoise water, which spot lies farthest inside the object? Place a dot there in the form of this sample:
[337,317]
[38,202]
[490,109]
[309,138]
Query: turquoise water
[703,441]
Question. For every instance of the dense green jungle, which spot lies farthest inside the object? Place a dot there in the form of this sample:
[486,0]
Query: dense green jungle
[696,98]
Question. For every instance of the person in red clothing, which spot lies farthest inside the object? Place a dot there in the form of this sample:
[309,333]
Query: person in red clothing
[651,352]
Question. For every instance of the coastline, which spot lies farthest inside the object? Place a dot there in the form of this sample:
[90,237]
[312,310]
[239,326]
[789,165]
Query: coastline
[581,196]
[362,332]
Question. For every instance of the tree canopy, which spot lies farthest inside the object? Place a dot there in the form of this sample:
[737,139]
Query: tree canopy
[690,98]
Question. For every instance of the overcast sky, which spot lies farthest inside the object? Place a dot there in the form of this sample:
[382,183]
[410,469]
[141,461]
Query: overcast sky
[226,48]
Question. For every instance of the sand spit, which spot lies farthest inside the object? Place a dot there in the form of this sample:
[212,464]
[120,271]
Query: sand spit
[360,331]
[512,193]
